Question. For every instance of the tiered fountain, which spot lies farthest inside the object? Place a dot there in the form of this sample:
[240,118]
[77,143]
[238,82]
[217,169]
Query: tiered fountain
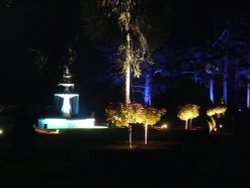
[67,103]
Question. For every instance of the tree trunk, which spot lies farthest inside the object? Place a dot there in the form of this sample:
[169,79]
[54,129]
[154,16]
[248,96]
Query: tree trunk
[146,133]
[130,136]
[186,124]
[147,90]
[248,94]
[127,73]
[211,88]
[225,79]
[127,86]
[190,123]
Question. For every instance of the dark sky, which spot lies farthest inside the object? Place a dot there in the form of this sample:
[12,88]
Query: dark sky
[50,25]
[44,25]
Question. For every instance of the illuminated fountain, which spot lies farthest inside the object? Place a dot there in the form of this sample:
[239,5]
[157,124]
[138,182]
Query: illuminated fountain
[67,103]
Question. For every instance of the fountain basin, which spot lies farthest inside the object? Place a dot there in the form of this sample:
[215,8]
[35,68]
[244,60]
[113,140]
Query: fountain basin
[64,123]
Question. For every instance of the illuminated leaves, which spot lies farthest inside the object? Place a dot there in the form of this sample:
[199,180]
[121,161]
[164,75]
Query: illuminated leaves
[123,115]
[210,112]
[152,115]
[211,124]
[188,111]
[132,52]
[220,109]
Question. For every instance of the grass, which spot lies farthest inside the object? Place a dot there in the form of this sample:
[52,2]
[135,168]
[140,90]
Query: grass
[101,158]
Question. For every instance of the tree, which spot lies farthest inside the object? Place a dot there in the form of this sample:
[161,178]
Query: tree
[211,112]
[136,20]
[133,49]
[126,115]
[220,109]
[188,112]
[211,122]
[149,117]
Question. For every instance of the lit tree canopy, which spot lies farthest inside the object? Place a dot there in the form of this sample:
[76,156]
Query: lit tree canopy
[127,114]
[152,115]
[210,112]
[188,111]
[123,115]
[220,109]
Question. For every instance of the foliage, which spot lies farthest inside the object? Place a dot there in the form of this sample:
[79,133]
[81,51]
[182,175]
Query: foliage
[211,124]
[220,109]
[153,17]
[188,111]
[151,115]
[107,20]
[210,112]
[134,48]
[123,115]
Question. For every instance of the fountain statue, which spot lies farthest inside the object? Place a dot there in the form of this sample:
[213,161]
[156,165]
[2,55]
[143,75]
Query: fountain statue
[67,103]
[66,108]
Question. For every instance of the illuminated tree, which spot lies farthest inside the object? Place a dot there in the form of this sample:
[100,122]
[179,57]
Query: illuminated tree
[133,49]
[126,115]
[221,109]
[212,122]
[149,117]
[135,20]
[188,112]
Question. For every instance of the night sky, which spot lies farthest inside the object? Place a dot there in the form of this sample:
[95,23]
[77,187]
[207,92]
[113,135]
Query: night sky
[51,25]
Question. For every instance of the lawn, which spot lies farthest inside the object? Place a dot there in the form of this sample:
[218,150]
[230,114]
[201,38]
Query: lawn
[101,158]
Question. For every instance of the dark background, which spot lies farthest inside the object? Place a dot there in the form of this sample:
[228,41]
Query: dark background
[50,26]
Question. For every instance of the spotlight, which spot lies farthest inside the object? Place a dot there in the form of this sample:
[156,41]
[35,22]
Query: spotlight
[164,126]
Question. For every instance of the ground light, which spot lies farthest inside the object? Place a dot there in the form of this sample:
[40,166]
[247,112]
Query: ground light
[164,126]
